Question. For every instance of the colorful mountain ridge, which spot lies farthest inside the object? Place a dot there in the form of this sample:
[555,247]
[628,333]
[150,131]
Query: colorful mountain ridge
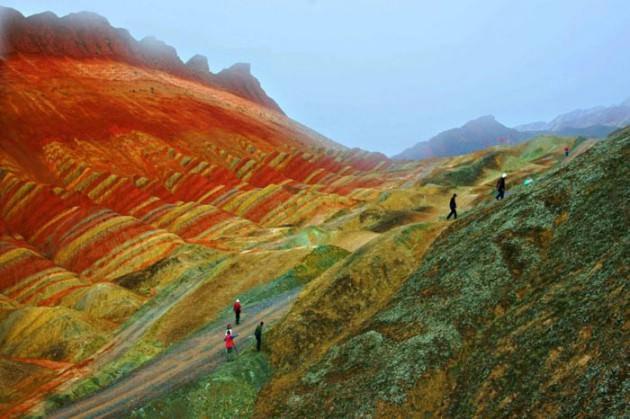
[140,196]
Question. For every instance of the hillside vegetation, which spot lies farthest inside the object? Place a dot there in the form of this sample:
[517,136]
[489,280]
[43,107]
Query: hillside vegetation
[140,196]
[517,309]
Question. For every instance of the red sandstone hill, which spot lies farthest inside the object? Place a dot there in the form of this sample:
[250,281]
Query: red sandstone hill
[78,78]
[88,35]
[114,153]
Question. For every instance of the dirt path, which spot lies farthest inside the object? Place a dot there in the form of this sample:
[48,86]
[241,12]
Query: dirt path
[191,359]
[121,342]
[134,331]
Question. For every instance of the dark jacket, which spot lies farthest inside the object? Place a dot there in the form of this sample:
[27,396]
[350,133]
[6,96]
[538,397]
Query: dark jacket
[258,332]
[453,204]
[501,184]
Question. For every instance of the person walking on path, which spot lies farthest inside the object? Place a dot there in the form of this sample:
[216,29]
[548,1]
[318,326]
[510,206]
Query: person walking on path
[566,151]
[237,310]
[453,206]
[258,334]
[228,329]
[230,345]
[501,186]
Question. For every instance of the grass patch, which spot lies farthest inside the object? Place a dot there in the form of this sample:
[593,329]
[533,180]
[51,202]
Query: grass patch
[228,392]
[138,355]
[467,174]
[313,265]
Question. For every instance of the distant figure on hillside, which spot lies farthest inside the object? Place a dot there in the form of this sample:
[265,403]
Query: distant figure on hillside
[258,334]
[453,206]
[230,346]
[566,151]
[228,330]
[501,186]
[237,310]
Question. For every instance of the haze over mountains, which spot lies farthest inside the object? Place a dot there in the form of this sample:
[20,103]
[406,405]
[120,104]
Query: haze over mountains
[88,35]
[141,196]
[609,116]
[487,131]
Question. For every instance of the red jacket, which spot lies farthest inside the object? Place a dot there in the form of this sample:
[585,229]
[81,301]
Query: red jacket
[229,341]
[237,307]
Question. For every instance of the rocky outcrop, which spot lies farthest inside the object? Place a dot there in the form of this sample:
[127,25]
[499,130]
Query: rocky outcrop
[198,63]
[239,79]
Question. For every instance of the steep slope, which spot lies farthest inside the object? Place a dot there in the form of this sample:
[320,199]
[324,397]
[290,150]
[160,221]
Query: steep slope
[139,196]
[518,308]
[128,182]
[187,290]
[474,135]
[87,35]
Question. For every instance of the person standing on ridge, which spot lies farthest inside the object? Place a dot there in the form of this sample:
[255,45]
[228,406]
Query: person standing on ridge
[453,206]
[258,334]
[501,186]
[230,346]
[237,310]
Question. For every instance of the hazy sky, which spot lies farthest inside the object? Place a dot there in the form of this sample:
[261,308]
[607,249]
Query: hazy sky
[385,74]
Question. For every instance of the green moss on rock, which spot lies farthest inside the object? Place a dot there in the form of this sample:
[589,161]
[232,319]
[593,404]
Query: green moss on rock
[522,303]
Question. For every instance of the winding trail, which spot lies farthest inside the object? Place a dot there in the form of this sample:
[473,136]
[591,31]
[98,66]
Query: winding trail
[188,360]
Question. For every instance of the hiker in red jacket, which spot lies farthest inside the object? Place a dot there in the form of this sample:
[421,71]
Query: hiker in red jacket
[237,310]
[229,345]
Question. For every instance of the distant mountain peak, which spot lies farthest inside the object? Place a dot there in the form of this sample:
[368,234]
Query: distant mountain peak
[476,134]
[239,68]
[489,118]
[486,120]
[86,18]
[615,116]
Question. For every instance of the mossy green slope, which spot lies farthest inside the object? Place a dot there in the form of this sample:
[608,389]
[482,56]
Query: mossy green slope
[228,392]
[518,309]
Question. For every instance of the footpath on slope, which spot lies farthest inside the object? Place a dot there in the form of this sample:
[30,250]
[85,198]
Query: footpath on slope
[122,342]
[191,359]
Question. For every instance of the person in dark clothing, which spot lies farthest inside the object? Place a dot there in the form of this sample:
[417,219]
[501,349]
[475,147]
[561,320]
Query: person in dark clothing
[501,186]
[566,152]
[258,334]
[237,311]
[453,206]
